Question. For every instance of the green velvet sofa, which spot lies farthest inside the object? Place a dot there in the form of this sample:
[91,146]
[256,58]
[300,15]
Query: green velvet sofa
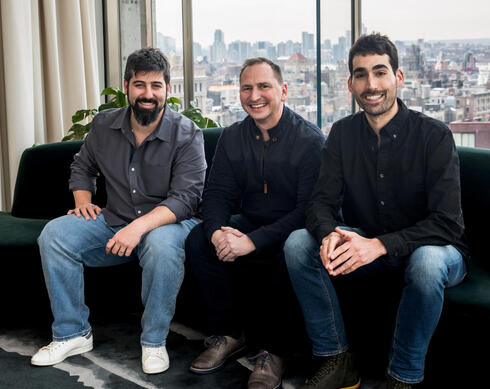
[41,193]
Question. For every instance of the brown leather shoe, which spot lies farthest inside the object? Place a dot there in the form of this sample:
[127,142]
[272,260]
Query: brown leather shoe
[267,372]
[219,349]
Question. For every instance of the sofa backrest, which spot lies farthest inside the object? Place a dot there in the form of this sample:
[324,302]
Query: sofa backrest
[41,189]
[475,198]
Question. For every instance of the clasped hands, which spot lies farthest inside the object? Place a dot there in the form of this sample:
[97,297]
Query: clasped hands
[231,243]
[342,251]
[123,242]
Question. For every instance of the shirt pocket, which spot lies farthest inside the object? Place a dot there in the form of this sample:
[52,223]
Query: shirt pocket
[156,179]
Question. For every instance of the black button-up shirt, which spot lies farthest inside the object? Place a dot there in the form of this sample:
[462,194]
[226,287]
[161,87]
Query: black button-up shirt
[167,168]
[268,182]
[406,192]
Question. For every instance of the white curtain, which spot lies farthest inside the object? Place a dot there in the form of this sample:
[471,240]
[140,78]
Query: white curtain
[50,70]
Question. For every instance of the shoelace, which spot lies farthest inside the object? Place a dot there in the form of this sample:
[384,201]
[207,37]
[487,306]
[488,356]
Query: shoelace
[215,341]
[155,351]
[52,346]
[324,369]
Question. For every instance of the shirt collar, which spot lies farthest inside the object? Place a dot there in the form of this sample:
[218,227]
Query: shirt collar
[399,121]
[162,131]
[274,132]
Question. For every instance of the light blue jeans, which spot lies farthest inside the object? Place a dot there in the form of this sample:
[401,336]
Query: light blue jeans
[428,271]
[68,243]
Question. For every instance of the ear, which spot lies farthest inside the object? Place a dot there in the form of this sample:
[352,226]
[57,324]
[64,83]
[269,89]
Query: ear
[284,92]
[125,87]
[400,78]
[349,84]
[168,89]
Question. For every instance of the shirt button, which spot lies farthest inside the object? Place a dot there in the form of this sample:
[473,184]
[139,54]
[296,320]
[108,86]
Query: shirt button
[274,139]
[139,211]
[381,175]
[134,190]
[132,169]
[257,137]
[382,202]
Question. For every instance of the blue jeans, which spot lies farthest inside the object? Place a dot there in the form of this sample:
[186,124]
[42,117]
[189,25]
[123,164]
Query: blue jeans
[68,243]
[427,272]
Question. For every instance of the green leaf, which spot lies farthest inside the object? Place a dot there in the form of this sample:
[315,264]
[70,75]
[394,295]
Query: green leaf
[82,114]
[121,99]
[108,105]
[174,100]
[109,91]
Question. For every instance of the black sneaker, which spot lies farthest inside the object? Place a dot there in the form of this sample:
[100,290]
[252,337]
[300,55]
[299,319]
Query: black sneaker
[393,383]
[335,372]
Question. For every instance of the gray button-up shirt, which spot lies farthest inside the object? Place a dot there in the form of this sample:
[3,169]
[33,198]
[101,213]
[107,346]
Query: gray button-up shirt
[168,168]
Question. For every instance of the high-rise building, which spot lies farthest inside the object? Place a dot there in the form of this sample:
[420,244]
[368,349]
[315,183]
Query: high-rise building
[307,43]
[218,48]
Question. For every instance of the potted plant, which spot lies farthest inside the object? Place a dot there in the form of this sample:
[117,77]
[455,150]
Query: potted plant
[118,100]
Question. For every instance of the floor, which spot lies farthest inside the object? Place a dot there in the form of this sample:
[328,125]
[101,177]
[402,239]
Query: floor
[115,362]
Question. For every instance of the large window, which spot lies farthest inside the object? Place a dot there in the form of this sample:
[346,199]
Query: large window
[335,44]
[168,22]
[283,31]
[444,53]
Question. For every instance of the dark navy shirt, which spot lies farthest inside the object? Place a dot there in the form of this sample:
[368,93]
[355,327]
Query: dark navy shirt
[406,192]
[268,182]
[168,167]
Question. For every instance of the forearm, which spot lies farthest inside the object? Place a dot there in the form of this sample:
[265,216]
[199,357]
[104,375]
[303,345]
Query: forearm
[82,197]
[159,216]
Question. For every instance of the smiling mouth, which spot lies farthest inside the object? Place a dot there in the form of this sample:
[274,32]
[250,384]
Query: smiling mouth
[146,105]
[257,105]
[373,97]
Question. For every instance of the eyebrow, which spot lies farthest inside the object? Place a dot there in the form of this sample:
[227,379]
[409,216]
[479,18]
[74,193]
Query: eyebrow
[375,67]
[150,82]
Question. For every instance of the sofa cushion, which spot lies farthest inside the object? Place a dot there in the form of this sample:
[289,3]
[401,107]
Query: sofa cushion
[16,232]
[474,293]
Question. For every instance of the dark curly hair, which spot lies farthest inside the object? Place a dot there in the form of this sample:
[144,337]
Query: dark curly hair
[374,43]
[147,60]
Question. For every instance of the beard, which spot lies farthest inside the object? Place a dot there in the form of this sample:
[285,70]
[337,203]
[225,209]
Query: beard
[145,116]
[387,104]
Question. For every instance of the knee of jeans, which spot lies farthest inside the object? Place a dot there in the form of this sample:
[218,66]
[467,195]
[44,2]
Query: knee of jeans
[296,249]
[51,233]
[427,268]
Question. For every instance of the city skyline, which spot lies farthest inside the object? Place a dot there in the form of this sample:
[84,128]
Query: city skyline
[267,23]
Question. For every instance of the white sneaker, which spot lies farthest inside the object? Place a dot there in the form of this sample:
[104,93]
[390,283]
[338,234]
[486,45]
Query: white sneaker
[154,359]
[55,352]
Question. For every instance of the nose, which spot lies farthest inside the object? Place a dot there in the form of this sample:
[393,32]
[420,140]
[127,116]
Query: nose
[254,94]
[372,82]
[148,93]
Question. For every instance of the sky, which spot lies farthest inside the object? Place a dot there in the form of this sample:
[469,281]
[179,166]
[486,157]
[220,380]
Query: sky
[281,20]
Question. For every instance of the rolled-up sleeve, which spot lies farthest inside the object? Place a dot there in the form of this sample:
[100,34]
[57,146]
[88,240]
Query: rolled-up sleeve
[188,174]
